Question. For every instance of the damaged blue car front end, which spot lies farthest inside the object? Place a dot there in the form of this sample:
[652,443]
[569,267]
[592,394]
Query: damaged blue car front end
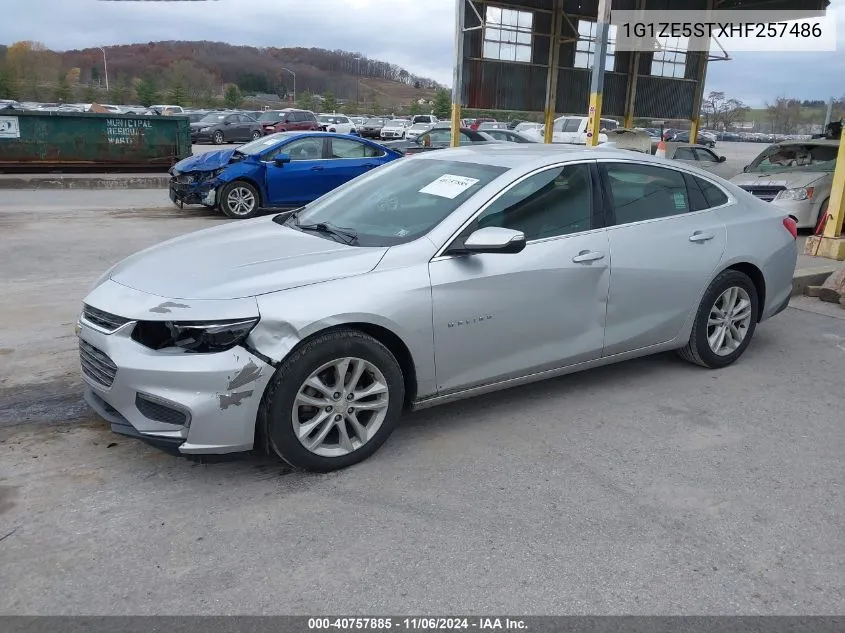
[196,180]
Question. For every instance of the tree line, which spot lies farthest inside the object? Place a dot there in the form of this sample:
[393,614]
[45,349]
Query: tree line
[783,115]
[198,72]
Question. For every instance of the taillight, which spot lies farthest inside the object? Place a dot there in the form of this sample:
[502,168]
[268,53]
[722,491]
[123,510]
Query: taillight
[791,226]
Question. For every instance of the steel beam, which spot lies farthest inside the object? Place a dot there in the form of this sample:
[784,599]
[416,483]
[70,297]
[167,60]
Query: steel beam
[551,76]
[597,81]
[458,73]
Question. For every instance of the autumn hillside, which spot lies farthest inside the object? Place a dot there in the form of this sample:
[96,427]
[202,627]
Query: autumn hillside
[203,70]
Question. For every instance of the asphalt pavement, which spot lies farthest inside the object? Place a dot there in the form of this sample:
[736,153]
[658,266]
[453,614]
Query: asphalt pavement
[649,487]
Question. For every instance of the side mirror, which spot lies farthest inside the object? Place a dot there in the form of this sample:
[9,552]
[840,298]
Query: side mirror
[494,239]
[722,159]
[745,169]
[281,159]
[227,123]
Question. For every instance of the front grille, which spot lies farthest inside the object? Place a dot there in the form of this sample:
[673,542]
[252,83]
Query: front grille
[96,364]
[102,319]
[159,411]
[764,192]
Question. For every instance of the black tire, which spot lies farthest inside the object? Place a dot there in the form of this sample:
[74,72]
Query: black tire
[277,403]
[218,138]
[698,349]
[256,135]
[229,209]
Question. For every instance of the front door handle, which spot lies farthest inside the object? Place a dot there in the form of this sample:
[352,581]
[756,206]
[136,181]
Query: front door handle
[316,168]
[699,236]
[587,256]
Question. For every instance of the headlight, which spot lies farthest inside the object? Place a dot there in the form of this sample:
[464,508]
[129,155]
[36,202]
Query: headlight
[204,129]
[801,193]
[201,337]
[209,175]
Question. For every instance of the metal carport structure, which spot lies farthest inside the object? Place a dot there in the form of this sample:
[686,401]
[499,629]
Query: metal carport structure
[551,56]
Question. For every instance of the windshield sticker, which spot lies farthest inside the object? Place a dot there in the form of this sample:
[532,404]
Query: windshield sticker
[449,186]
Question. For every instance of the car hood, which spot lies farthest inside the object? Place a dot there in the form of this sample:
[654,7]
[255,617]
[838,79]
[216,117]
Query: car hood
[206,161]
[244,259]
[790,179]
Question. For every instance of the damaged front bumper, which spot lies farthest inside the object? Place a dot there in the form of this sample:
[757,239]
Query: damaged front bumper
[185,403]
[185,191]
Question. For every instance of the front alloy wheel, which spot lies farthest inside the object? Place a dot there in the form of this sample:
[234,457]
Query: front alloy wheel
[218,138]
[333,402]
[239,200]
[340,407]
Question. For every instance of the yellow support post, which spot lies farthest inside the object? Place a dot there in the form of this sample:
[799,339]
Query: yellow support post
[548,132]
[456,125]
[594,119]
[628,123]
[693,130]
[831,243]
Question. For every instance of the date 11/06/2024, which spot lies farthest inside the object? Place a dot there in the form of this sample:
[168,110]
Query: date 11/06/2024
[415,624]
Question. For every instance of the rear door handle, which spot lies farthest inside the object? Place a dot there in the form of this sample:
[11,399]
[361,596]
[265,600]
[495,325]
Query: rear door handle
[587,256]
[319,168]
[698,236]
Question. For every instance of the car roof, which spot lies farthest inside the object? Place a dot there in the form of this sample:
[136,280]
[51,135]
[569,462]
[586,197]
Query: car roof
[815,141]
[534,155]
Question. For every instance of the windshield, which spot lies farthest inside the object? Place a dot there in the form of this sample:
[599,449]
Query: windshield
[399,202]
[327,119]
[395,123]
[213,118]
[271,116]
[803,157]
[264,143]
[374,122]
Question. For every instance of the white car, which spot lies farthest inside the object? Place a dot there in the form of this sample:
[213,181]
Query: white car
[416,129]
[336,123]
[394,128]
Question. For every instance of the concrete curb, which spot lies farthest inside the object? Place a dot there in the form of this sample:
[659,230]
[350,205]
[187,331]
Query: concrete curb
[84,181]
[806,277]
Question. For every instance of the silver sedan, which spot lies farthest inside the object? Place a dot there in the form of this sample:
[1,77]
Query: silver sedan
[440,276]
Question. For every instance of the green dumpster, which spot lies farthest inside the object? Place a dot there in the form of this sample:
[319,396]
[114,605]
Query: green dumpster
[38,141]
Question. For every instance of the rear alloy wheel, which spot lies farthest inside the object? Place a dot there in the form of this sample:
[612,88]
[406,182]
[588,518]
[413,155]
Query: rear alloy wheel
[218,138]
[256,135]
[334,402]
[725,322]
[239,200]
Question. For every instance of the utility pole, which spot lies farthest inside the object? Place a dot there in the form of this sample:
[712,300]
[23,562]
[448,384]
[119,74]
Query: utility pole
[105,67]
[358,83]
[294,82]
[828,115]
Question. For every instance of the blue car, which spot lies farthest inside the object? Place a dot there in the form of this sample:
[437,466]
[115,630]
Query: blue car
[283,170]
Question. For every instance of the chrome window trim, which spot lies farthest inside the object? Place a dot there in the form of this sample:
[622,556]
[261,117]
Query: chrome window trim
[439,255]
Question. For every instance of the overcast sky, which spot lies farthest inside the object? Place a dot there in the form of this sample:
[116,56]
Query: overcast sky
[417,35]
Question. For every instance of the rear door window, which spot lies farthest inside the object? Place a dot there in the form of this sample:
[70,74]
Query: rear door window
[645,192]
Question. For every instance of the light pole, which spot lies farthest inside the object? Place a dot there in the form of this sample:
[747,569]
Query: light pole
[294,82]
[105,67]
[358,83]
